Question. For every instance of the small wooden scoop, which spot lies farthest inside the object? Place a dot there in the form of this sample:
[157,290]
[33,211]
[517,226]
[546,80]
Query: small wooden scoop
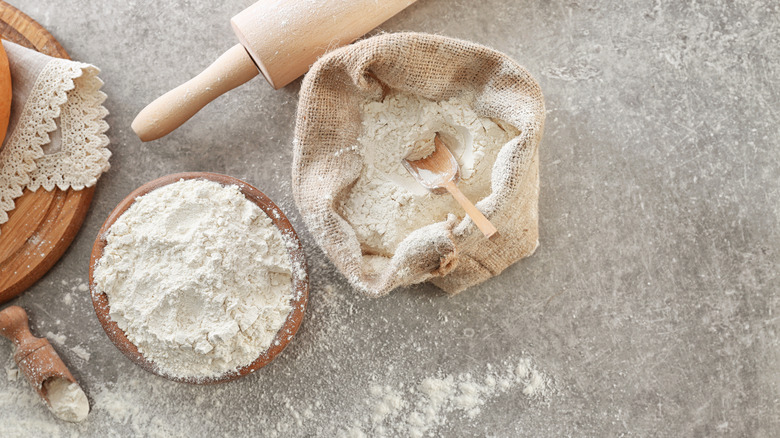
[35,357]
[440,170]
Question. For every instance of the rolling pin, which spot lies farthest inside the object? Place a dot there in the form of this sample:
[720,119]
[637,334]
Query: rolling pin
[281,39]
[37,360]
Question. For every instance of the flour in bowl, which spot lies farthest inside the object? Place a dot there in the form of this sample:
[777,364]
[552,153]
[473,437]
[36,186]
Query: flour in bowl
[386,203]
[197,277]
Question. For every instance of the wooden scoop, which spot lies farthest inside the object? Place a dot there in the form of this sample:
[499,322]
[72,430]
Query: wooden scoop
[35,357]
[440,170]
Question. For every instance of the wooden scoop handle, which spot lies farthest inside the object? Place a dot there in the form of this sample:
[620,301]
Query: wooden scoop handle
[35,357]
[479,219]
[14,325]
[175,107]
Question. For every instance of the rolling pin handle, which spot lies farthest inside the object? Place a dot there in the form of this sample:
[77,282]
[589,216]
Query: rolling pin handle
[175,107]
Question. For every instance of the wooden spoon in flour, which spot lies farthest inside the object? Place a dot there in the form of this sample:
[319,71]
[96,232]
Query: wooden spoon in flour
[440,170]
[43,368]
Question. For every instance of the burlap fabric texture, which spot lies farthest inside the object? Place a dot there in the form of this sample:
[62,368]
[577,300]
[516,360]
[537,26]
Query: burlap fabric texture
[452,254]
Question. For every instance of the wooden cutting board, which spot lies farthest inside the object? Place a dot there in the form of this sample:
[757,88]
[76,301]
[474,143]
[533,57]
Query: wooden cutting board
[43,224]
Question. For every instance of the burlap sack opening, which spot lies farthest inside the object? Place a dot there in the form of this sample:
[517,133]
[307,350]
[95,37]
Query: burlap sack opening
[451,254]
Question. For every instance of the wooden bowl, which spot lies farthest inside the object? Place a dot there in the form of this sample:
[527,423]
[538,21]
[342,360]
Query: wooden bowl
[300,281]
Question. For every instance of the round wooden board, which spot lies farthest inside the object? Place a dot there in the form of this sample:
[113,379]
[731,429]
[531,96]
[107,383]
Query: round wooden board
[43,224]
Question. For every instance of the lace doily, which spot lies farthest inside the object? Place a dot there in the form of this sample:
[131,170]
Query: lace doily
[65,101]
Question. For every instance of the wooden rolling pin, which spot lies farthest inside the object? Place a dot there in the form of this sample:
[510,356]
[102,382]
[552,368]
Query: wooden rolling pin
[281,38]
[38,361]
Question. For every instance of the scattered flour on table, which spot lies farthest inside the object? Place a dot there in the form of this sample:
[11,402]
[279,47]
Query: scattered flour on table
[309,391]
[197,277]
[24,414]
[416,410]
[78,350]
[77,286]
[57,338]
[12,373]
[386,203]
[81,352]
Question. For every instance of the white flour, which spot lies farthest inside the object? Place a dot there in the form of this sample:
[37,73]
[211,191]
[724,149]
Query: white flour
[417,410]
[81,352]
[386,203]
[328,383]
[197,277]
[57,338]
[66,400]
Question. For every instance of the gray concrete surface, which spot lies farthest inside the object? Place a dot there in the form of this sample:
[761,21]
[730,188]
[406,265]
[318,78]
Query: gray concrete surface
[652,302]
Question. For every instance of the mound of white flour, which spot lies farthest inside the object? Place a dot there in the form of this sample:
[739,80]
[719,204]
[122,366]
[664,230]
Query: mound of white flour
[386,203]
[197,277]
[66,400]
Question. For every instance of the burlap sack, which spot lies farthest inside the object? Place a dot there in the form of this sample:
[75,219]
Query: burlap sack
[452,254]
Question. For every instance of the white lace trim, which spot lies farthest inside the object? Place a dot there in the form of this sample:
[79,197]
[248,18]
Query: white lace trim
[71,92]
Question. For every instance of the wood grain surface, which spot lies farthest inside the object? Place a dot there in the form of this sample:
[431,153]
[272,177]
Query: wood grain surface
[44,223]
